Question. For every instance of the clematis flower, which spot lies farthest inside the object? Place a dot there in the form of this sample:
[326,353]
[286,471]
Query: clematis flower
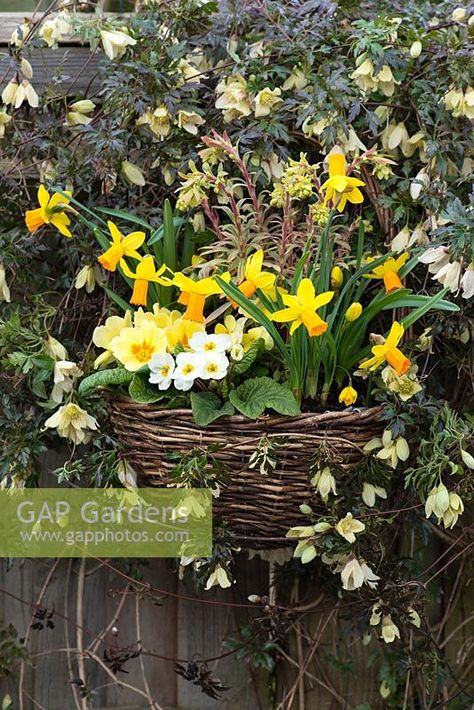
[348,526]
[391,450]
[369,493]
[104,334]
[194,294]
[135,347]
[189,366]
[88,277]
[4,119]
[26,92]
[388,352]
[115,43]
[390,630]
[65,373]
[54,349]
[161,370]
[255,278]
[340,188]
[50,211]
[325,483]
[73,423]
[454,510]
[4,289]
[348,395]
[301,309]
[120,246]
[296,80]
[355,573]
[218,578]
[405,386]
[388,272]
[146,273]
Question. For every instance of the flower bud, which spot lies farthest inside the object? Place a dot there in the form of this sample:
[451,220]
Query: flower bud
[9,93]
[353,312]
[468,459]
[337,278]
[415,49]
[459,14]
[132,174]
[26,69]
[83,106]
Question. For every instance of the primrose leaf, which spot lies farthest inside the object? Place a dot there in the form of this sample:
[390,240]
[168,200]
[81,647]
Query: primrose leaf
[254,396]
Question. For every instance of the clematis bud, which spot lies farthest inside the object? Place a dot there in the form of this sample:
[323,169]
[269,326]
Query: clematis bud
[26,69]
[132,173]
[459,14]
[415,49]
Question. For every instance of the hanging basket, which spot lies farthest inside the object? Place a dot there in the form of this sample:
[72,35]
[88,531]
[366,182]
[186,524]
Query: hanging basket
[259,508]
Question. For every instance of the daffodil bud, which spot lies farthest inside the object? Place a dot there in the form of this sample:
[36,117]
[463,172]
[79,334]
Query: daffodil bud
[337,278]
[415,49]
[132,174]
[353,312]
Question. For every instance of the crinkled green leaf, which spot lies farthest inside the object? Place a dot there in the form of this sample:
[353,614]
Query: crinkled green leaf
[256,395]
[142,390]
[207,407]
[249,358]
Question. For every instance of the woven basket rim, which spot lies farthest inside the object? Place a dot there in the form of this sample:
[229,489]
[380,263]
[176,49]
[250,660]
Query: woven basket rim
[357,413]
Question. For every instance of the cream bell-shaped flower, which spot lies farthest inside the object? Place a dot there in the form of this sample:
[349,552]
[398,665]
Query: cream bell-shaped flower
[73,423]
[266,101]
[189,366]
[325,483]
[390,630]
[65,374]
[204,343]
[189,121]
[115,43]
[348,526]
[455,509]
[355,573]
[437,501]
[391,450]
[369,493]
[126,474]
[161,370]
[4,290]
[55,349]
[218,578]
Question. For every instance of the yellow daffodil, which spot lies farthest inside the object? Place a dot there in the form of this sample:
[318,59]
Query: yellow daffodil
[146,272]
[50,211]
[388,352]
[255,278]
[120,246]
[388,272]
[340,188]
[134,347]
[301,309]
[194,294]
[348,396]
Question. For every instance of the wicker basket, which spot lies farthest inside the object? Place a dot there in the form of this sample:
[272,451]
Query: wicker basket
[258,508]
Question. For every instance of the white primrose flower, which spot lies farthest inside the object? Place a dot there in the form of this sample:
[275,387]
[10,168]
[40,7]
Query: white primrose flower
[215,366]
[204,343]
[218,578]
[162,369]
[189,366]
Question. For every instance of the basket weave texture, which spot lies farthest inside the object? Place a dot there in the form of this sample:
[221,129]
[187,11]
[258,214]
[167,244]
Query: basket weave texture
[259,508]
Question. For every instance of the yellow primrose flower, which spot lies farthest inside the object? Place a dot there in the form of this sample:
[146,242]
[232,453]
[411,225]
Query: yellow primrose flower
[146,272]
[104,334]
[194,294]
[301,309]
[50,211]
[134,347]
[181,330]
[254,334]
[348,526]
[388,352]
[340,188]
[120,246]
[388,272]
[348,395]
[72,422]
